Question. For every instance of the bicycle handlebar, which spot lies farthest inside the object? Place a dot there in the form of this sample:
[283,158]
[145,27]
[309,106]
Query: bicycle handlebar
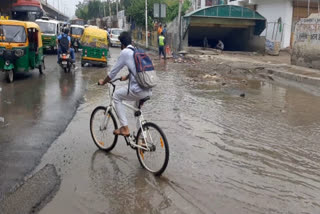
[115,80]
[111,82]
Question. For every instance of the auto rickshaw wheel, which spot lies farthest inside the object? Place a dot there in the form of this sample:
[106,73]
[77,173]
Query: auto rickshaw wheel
[10,76]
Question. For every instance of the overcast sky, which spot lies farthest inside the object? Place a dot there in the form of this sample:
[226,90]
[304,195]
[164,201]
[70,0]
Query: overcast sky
[67,6]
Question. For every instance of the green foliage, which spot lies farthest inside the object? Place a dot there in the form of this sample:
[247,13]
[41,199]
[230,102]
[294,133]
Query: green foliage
[137,10]
[96,9]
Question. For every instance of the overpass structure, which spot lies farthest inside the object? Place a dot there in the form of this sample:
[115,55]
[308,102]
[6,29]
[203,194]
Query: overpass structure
[52,12]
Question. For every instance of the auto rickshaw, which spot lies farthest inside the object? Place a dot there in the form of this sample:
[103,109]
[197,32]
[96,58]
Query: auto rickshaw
[50,31]
[76,32]
[94,44]
[20,47]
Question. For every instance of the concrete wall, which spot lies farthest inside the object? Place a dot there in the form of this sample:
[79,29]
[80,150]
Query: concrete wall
[306,46]
[272,10]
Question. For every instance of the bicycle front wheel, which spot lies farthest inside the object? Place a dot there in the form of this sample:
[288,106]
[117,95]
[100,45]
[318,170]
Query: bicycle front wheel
[102,125]
[155,157]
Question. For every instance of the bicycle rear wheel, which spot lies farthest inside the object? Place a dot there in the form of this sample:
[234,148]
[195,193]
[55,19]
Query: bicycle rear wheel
[155,160]
[102,125]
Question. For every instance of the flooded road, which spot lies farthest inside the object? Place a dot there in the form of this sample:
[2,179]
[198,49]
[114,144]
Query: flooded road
[228,154]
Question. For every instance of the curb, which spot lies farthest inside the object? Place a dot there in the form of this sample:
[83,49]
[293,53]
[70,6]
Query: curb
[312,81]
[31,196]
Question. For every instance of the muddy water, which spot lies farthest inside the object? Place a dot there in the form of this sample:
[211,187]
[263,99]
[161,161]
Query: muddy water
[228,154]
[260,153]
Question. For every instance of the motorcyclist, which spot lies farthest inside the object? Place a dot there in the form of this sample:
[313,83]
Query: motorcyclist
[64,43]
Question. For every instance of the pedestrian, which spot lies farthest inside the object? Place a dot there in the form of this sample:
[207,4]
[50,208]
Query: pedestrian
[165,30]
[205,42]
[160,29]
[220,46]
[162,42]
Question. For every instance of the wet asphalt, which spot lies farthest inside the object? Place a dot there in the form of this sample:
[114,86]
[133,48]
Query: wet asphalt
[228,154]
[35,109]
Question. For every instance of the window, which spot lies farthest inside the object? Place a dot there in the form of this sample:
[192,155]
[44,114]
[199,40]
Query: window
[47,28]
[12,33]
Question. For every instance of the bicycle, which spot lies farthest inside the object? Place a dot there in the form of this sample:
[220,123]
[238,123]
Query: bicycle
[144,142]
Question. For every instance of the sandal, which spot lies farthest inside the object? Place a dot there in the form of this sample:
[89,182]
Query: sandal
[119,132]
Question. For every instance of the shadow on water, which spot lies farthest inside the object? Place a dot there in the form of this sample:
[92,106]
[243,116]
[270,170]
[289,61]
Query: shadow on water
[134,187]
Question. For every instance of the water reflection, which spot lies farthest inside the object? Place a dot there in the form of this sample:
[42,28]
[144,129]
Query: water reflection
[128,189]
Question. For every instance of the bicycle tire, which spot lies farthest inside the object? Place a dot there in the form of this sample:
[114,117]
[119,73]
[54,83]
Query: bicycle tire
[164,144]
[101,144]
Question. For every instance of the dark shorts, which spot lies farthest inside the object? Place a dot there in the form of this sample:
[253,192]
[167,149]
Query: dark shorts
[162,51]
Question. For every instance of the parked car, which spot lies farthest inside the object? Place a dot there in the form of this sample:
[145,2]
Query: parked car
[114,34]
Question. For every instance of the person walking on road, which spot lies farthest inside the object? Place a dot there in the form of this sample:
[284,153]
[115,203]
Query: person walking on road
[162,42]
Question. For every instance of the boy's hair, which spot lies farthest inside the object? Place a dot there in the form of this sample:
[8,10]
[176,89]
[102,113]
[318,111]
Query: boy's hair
[125,38]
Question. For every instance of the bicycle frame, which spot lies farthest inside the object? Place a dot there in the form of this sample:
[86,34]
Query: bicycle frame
[131,139]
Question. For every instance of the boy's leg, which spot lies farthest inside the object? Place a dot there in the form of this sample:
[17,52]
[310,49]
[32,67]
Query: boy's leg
[120,96]
[72,54]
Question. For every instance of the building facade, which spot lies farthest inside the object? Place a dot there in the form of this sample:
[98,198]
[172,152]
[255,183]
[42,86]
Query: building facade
[198,4]
[281,15]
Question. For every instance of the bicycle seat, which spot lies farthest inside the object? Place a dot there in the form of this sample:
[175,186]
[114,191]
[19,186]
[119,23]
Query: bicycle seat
[142,101]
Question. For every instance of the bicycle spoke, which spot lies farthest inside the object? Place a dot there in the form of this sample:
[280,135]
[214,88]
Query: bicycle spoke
[156,157]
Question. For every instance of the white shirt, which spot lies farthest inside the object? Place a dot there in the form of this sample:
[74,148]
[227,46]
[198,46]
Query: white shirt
[126,59]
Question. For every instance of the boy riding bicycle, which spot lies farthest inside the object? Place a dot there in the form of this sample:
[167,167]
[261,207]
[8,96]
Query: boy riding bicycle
[134,92]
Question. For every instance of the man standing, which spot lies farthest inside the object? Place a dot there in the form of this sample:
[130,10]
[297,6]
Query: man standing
[160,29]
[165,30]
[162,42]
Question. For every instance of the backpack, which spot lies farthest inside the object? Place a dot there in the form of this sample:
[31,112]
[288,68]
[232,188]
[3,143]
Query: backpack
[146,75]
[64,43]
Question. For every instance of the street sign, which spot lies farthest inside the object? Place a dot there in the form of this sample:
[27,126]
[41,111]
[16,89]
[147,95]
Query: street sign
[159,10]
[163,10]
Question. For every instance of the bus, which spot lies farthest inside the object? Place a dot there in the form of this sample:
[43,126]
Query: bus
[77,22]
[27,10]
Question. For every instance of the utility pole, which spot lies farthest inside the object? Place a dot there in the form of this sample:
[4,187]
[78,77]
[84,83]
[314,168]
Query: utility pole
[110,8]
[308,7]
[179,19]
[117,7]
[146,23]
[104,9]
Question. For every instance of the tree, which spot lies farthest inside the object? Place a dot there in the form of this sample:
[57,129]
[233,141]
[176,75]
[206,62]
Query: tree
[137,9]
[94,9]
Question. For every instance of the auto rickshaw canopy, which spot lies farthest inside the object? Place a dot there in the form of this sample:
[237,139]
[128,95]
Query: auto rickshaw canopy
[27,26]
[94,37]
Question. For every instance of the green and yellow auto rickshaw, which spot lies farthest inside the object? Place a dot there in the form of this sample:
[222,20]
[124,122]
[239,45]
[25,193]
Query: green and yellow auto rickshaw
[94,44]
[20,47]
[50,31]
